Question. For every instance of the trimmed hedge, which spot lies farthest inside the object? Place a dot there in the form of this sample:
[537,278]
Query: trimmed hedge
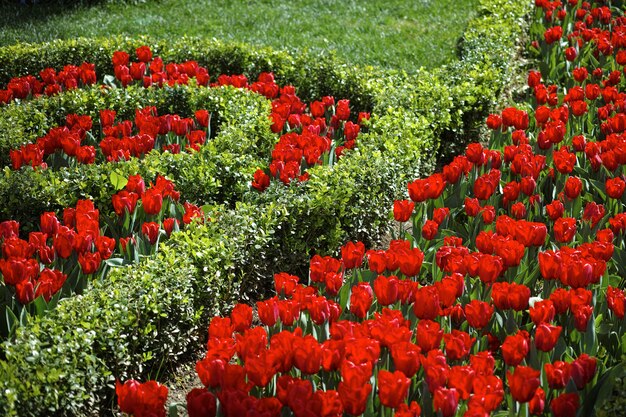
[139,314]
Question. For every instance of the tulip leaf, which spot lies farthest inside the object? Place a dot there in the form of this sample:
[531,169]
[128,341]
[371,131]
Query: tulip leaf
[114,261]
[344,295]
[173,410]
[602,390]
[591,341]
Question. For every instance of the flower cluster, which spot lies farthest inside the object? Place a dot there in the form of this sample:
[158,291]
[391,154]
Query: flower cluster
[75,142]
[155,208]
[318,136]
[61,258]
[34,267]
[150,70]
[141,400]
[50,82]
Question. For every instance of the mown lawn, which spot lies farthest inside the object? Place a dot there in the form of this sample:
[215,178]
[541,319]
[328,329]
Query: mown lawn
[403,34]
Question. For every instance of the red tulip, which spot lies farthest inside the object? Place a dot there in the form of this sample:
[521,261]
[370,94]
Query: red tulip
[342,110]
[573,187]
[147,399]
[406,357]
[49,223]
[537,403]
[268,311]
[144,54]
[582,314]
[89,262]
[152,201]
[49,283]
[392,388]
[410,261]
[542,312]
[428,335]
[436,369]
[483,363]
[564,160]
[191,212]
[494,121]
[241,317]
[513,296]
[430,229]
[583,370]
[478,313]
[412,410]
[285,284]
[201,403]
[555,210]
[261,180]
[458,344]
[386,290]
[261,368]
[462,379]
[361,299]
[63,242]
[426,305]
[446,401]
[546,336]
[558,374]
[471,206]
[523,382]
[354,388]
[151,231]
[615,187]
[616,299]
[15,247]
[307,355]
[488,392]
[402,210]
[565,405]
[376,261]
[490,267]
[352,254]
[417,190]
[515,348]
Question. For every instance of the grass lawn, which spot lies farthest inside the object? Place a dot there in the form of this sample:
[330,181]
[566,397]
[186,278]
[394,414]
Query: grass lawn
[402,34]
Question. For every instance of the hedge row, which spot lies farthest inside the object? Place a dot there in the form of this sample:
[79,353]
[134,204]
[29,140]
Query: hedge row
[142,318]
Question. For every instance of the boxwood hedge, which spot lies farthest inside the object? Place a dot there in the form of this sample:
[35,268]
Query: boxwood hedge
[143,318]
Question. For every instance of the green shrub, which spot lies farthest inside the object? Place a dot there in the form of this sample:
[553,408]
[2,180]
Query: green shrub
[66,364]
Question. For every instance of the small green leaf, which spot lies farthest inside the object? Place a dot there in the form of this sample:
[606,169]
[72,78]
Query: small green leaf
[118,180]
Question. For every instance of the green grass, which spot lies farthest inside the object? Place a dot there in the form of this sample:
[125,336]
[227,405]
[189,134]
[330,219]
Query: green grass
[402,34]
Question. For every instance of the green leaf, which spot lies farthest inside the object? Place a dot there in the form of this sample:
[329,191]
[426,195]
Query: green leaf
[172,410]
[602,390]
[114,261]
[118,180]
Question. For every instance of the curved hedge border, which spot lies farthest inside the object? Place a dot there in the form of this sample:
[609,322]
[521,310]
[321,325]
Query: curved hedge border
[142,318]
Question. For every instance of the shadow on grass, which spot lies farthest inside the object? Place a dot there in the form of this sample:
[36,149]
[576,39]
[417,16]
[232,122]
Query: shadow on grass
[20,13]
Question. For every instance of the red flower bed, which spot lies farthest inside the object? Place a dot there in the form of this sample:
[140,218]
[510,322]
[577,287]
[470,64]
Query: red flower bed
[60,258]
[505,297]
[311,135]
[49,82]
[75,142]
